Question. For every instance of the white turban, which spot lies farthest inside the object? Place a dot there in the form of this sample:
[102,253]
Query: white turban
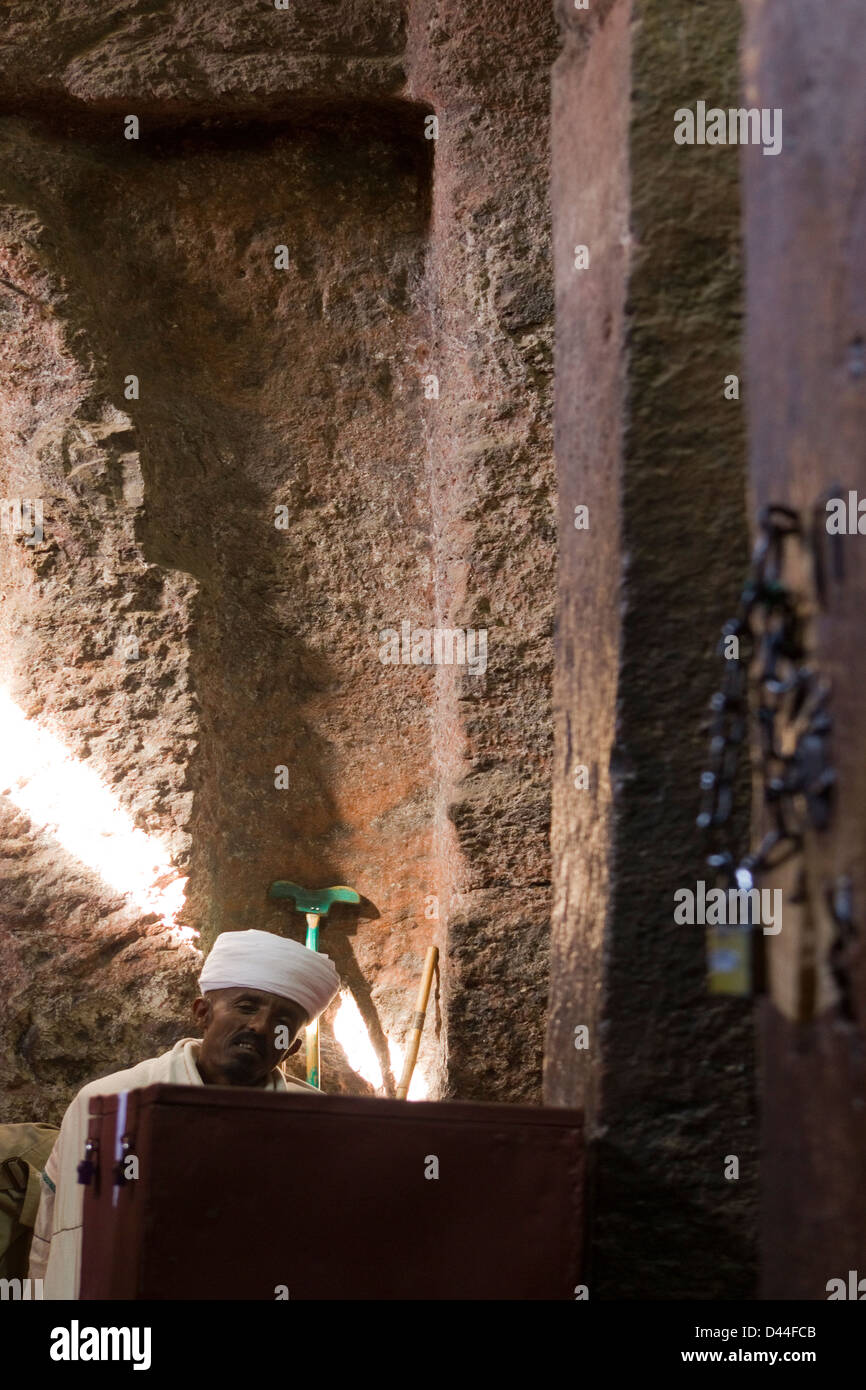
[260,960]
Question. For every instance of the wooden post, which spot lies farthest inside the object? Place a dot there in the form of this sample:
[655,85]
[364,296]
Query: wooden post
[805,230]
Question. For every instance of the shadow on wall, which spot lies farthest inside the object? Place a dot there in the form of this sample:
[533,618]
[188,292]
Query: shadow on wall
[649,1214]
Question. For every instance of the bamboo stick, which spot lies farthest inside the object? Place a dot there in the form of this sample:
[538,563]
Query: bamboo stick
[418,1021]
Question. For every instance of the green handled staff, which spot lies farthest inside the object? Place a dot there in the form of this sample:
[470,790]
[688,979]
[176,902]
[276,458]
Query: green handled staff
[314,903]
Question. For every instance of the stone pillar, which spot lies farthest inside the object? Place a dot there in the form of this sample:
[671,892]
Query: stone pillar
[647,331]
[484,70]
[805,220]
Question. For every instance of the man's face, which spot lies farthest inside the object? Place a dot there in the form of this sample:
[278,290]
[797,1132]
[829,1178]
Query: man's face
[247,1033]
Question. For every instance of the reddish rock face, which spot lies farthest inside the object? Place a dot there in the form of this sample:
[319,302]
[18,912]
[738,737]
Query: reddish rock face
[647,441]
[338,426]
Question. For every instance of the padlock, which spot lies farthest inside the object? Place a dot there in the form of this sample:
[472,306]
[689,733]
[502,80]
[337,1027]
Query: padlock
[730,963]
[88,1167]
[735,954]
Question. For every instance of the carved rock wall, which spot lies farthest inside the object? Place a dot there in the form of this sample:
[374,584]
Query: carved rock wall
[181,645]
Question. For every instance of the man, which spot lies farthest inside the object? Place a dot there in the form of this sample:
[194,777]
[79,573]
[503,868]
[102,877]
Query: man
[258,991]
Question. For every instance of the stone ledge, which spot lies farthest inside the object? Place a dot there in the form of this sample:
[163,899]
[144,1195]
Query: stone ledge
[189,55]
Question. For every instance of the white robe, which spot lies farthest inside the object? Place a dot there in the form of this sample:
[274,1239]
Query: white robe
[55,1254]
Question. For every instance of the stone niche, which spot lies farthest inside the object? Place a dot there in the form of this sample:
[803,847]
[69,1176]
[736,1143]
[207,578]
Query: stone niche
[217,343]
[221,552]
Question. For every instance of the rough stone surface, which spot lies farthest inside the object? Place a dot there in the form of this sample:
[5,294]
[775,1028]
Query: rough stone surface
[90,976]
[806,329]
[645,439]
[485,70]
[265,388]
[189,56]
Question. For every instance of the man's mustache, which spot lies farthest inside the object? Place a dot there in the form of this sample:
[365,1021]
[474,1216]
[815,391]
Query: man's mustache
[251,1038]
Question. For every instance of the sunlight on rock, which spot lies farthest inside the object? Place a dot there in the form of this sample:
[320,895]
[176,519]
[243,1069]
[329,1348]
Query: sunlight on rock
[351,1033]
[68,799]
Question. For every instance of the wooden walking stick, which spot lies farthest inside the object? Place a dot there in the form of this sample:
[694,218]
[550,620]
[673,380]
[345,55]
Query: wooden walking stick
[418,1021]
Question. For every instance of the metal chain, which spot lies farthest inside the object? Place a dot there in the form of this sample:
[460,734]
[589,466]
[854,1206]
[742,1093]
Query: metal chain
[792,720]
